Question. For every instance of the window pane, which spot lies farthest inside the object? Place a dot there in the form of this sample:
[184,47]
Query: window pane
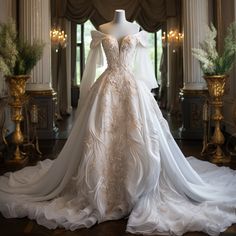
[151,47]
[78,69]
[78,36]
[159,52]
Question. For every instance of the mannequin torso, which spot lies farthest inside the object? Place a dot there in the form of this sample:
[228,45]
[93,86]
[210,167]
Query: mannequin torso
[119,26]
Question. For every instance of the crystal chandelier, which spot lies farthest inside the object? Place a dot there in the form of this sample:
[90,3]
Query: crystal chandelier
[58,38]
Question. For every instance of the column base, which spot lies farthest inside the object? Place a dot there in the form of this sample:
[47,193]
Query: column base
[192,103]
[45,101]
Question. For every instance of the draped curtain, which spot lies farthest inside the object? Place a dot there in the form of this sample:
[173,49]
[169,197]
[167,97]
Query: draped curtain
[150,14]
[61,65]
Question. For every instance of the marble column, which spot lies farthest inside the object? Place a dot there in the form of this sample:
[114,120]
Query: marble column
[35,23]
[195,20]
[193,93]
[7,10]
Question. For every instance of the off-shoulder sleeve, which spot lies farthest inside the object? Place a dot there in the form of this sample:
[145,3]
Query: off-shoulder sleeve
[143,68]
[95,59]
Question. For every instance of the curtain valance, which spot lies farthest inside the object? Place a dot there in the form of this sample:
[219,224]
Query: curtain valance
[150,14]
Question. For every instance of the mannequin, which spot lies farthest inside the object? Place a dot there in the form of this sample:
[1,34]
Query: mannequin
[119,26]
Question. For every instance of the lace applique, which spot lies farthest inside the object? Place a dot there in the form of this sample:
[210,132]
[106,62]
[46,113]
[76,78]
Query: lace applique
[117,123]
[119,120]
[119,56]
[116,169]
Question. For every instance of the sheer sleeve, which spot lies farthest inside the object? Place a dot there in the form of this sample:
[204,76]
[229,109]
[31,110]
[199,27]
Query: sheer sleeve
[143,68]
[95,59]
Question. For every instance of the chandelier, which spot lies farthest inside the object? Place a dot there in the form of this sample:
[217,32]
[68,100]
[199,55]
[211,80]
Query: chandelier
[58,38]
[173,37]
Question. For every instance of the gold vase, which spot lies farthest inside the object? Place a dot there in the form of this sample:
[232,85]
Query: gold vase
[16,87]
[216,88]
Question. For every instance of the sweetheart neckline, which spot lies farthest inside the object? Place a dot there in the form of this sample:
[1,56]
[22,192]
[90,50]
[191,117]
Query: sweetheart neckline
[119,42]
[114,36]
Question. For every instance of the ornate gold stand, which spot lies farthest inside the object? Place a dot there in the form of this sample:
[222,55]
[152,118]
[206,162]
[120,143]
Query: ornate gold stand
[31,147]
[205,119]
[216,88]
[16,85]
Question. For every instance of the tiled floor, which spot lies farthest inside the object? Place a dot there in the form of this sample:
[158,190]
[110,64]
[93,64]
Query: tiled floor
[51,148]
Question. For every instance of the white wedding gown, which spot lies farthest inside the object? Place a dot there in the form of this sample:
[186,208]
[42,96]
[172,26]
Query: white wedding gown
[121,160]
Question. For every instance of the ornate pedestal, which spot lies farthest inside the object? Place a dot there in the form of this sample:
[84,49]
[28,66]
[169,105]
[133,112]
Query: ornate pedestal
[45,101]
[16,86]
[216,88]
[192,102]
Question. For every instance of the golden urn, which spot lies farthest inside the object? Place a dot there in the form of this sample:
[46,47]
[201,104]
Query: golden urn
[216,88]
[16,87]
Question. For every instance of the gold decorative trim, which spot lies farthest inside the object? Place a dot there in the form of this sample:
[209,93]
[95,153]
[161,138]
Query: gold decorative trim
[216,88]
[45,93]
[212,77]
[24,77]
[16,87]
[187,92]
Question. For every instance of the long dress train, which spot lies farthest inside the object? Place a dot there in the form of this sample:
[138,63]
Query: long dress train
[121,160]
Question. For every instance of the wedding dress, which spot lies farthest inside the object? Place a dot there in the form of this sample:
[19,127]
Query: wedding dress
[121,160]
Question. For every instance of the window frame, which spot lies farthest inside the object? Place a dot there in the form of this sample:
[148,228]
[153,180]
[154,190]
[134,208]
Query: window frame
[80,45]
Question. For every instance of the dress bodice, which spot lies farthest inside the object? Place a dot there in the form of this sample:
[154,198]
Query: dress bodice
[119,53]
[126,55]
